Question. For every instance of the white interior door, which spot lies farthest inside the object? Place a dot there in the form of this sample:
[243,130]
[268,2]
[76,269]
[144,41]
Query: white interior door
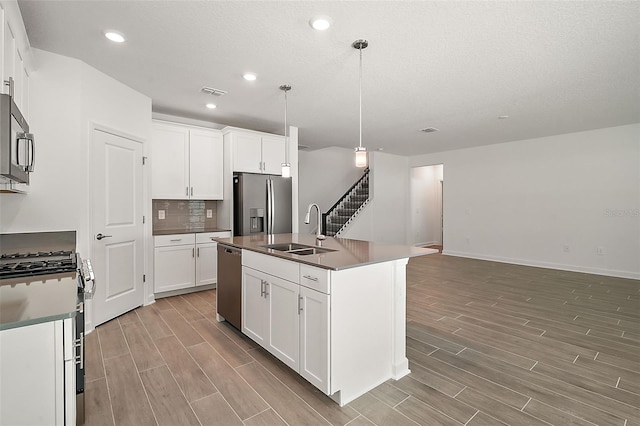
[117,251]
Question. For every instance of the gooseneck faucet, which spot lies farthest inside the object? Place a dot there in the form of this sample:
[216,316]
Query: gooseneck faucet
[319,236]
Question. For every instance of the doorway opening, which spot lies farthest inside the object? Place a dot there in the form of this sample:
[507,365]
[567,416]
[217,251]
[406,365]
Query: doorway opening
[427,213]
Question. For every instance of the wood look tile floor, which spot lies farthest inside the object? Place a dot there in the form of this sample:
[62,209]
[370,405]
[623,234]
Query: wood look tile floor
[488,344]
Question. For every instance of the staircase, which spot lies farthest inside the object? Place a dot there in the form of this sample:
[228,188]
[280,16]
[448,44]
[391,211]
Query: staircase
[335,221]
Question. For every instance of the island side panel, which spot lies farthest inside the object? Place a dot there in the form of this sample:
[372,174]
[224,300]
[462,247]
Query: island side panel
[362,329]
[400,361]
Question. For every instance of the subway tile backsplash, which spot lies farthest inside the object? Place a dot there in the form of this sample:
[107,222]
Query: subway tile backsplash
[184,215]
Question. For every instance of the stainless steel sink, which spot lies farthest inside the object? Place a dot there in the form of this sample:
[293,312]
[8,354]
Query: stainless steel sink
[299,249]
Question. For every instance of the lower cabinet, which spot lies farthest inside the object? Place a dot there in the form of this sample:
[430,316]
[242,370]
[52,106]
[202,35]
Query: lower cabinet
[38,383]
[289,320]
[184,261]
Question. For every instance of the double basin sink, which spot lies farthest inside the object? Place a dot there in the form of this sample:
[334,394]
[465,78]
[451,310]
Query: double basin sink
[299,249]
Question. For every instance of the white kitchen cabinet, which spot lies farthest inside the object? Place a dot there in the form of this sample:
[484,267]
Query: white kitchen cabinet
[186,162]
[38,374]
[314,337]
[255,152]
[288,319]
[254,306]
[206,259]
[185,260]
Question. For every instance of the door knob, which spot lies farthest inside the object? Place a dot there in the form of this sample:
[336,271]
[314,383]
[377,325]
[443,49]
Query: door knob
[100,236]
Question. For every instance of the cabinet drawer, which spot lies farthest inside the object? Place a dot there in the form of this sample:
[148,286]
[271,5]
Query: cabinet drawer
[315,278]
[173,240]
[271,265]
[205,237]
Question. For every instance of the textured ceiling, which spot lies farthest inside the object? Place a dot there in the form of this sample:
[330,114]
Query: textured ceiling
[553,67]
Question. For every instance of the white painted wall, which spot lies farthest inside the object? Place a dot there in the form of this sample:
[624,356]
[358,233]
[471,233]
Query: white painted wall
[524,201]
[324,176]
[66,95]
[425,204]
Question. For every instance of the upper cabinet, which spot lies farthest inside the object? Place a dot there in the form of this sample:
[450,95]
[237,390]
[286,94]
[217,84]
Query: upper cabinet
[186,162]
[255,152]
[15,57]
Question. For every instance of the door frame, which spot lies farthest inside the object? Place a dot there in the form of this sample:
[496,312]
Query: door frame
[148,297]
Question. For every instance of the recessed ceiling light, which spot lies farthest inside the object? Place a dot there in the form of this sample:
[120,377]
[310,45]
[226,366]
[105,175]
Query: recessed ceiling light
[211,106]
[249,76]
[502,117]
[320,23]
[429,130]
[114,36]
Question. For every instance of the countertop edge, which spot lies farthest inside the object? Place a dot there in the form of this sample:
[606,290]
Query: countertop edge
[300,259]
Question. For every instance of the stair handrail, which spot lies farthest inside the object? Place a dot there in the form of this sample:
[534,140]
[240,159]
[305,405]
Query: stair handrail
[341,199]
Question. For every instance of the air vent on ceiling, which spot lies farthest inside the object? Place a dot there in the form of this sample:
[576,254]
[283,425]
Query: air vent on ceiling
[429,130]
[214,92]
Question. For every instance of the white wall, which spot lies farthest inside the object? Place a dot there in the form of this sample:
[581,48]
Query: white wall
[425,204]
[530,201]
[324,176]
[66,95]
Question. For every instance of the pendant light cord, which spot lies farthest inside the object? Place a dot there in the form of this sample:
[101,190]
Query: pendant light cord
[286,139]
[360,144]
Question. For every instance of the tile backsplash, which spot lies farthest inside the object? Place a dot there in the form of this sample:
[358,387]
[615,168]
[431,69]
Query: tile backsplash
[184,215]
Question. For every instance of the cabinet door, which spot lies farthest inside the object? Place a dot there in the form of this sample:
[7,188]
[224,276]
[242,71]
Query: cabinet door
[169,162]
[206,263]
[247,153]
[32,365]
[284,321]
[254,306]
[174,267]
[205,165]
[272,155]
[314,338]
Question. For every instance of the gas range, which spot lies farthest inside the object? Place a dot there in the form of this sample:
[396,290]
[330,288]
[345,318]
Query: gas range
[15,265]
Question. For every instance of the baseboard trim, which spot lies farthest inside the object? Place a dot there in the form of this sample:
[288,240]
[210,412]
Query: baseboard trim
[548,265]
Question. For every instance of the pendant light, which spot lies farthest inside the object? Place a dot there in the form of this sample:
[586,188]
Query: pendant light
[361,152]
[286,166]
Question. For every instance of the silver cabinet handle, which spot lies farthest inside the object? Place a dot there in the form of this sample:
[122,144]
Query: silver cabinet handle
[193,252]
[299,304]
[100,236]
[262,288]
[309,277]
[192,191]
[266,289]
[175,240]
[198,252]
[186,192]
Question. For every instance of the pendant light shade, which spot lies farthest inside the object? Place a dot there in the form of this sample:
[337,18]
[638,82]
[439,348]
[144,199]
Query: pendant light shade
[286,166]
[361,152]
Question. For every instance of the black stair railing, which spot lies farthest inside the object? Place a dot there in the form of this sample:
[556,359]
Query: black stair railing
[347,206]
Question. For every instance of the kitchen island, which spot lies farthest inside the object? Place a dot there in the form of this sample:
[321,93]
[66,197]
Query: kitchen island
[335,313]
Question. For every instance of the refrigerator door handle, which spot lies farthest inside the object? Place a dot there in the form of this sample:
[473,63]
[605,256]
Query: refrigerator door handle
[269,205]
[273,207]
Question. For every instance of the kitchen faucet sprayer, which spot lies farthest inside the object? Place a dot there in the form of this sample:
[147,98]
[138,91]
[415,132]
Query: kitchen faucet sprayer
[307,217]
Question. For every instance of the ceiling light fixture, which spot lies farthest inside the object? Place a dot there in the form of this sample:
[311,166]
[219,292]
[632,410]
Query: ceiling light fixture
[211,106]
[249,76]
[114,36]
[361,152]
[503,117]
[320,23]
[286,166]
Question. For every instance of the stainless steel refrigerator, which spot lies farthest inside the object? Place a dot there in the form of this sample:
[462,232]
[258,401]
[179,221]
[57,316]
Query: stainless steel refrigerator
[261,204]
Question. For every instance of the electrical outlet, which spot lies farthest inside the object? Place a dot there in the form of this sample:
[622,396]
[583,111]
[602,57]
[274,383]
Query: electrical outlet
[600,251]
[161,215]
[565,248]
[209,213]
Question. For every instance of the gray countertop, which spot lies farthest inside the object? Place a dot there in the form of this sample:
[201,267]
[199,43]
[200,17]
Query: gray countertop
[23,303]
[348,253]
[187,231]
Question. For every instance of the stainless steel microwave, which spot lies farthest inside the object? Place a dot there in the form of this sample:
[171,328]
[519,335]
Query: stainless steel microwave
[17,149]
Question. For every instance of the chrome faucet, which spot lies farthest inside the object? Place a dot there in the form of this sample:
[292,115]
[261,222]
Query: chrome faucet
[319,236]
